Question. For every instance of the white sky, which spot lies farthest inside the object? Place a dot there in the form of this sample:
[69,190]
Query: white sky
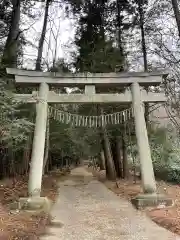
[59,25]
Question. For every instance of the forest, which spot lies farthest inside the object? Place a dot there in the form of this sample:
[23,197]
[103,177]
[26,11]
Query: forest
[96,36]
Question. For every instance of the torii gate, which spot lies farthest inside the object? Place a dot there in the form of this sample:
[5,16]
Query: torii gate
[137,95]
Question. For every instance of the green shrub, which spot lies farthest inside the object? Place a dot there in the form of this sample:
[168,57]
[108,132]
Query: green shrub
[165,152]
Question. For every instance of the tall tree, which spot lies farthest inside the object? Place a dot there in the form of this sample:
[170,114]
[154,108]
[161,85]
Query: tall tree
[43,34]
[175,6]
[11,47]
[141,5]
[38,68]
[140,9]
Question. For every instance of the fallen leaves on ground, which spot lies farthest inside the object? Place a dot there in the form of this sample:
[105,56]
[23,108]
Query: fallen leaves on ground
[168,217]
[22,225]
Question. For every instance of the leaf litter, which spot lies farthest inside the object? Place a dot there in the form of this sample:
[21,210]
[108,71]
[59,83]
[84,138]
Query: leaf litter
[21,225]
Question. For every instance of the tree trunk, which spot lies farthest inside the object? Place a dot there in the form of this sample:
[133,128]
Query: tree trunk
[38,68]
[102,161]
[56,41]
[27,155]
[9,57]
[125,161]
[144,51]
[176,13]
[42,38]
[124,153]
[116,148]
[119,22]
[118,157]
[28,145]
[143,41]
[11,158]
[110,168]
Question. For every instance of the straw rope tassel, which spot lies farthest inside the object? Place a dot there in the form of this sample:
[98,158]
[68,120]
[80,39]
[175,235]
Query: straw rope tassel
[90,121]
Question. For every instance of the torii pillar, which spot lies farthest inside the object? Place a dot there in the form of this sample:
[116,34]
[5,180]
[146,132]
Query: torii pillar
[34,201]
[150,197]
[36,169]
[147,172]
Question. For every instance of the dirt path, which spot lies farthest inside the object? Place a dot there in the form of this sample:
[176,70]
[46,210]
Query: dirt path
[87,210]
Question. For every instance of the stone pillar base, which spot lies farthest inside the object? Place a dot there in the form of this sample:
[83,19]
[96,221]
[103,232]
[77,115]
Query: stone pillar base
[151,200]
[34,204]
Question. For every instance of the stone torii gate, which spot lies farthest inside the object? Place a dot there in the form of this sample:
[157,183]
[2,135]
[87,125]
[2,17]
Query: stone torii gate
[136,95]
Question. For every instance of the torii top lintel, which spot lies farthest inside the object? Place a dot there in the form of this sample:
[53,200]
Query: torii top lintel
[82,79]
